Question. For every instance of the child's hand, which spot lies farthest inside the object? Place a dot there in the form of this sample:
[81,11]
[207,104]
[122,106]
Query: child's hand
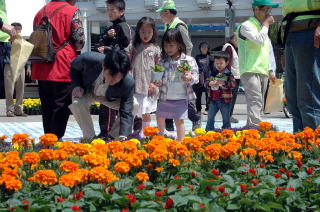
[213,83]
[187,77]
[157,83]
[152,90]
[111,33]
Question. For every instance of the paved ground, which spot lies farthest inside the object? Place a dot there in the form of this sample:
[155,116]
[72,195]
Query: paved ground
[33,125]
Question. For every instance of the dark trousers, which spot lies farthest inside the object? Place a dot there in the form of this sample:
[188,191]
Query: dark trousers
[2,49]
[234,96]
[55,98]
[107,117]
[198,93]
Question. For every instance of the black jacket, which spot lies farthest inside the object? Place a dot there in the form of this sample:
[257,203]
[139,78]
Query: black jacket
[124,34]
[1,23]
[86,68]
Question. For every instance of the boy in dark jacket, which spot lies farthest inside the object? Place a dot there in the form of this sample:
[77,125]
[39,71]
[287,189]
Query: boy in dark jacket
[220,86]
[119,35]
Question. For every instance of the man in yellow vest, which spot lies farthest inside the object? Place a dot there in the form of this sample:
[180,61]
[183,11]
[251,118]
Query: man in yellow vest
[302,68]
[5,32]
[254,58]
[168,13]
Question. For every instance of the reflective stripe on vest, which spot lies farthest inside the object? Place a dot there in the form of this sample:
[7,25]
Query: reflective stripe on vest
[4,37]
[290,6]
[174,24]
[253,57]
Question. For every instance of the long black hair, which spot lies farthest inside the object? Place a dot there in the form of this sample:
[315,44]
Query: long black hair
[173,36]
[147,21]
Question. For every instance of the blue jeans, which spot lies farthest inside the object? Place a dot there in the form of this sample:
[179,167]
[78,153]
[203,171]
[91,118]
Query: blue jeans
[214,107]
[302,79]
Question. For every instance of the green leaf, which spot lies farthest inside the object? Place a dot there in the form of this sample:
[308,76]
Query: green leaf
[233,207]
[61,190]
[94,186]
[91,194]
[124,184]
[275,205]
[217,208]
[317,181]
[270,180]
[146,210]
[229,180]
[178,200]
[148,204]
[295,183]
[193,198]
[261,207]
[177,182]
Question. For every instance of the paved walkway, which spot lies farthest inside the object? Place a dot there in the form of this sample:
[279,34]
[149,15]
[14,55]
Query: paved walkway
[32,125]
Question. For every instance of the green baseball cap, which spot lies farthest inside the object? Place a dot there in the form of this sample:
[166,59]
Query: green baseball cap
[167,5]
[264,3]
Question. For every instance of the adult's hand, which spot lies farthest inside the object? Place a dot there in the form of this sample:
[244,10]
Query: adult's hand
[9,30]
[272,76]
[317,38]
[111,33]
[269,20]
[29,72]
[77,92]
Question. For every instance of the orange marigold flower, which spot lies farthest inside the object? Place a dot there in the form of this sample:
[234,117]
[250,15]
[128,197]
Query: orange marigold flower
[31,158]
[11,183]
[130,146]
[74,178]
[142,176]
[21,139]
[60,154]
[212,151]
[46,154]
[227,133]
[249,151]
[45,177]
[265,125]
[102,175]
[268,158]
[2,138]
[82,149]
[158,155]
[12,160]
[69,147]
[174,162]
[150,131]
[95,159]
[159,169]
[133,160]
[48,139]
[10,172]
[115,146]
[69,166]
[182,151]
[295,155]
[122,167]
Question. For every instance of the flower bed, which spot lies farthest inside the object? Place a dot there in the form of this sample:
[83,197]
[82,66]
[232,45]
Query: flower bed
[33,107]
[249,170]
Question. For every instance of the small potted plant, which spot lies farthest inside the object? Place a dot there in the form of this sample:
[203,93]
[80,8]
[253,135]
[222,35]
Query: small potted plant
[184,68]
[157,72]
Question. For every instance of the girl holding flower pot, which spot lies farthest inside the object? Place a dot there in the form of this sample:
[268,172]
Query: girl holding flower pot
[181,72]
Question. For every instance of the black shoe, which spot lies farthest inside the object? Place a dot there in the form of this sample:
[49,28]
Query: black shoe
[234,120]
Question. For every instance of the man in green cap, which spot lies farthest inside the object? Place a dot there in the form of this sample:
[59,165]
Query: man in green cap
[254,47]
[168,13]
[302,68]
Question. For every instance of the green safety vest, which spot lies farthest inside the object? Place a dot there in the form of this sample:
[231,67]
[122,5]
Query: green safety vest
[290,6]
[3,14]
[253,57]
[174,24]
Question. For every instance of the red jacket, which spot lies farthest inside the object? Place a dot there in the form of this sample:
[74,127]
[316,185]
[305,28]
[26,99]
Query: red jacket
[59,70]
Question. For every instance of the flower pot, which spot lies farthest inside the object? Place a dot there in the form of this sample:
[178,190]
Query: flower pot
[156,76]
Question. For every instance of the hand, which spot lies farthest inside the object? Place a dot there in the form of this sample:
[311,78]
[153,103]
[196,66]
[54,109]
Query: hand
[9,30]
[77,92]
[317,38]
[272,76]
[157,83]
[29,72]
[111,33]
[187,77]
[269,20]
[152,90]
[101,49]
[213,83]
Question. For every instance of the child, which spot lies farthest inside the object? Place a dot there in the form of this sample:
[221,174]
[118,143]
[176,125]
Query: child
[118,35]
[145,54]
[220,86]
[176,87]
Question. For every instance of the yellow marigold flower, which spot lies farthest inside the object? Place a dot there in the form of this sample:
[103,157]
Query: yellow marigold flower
[21,139]
[174,162]
[200,131]
[264,126]
[11,183]
[48,139]
[159,169]
[102,175]
[212,151]
[46,154]
[142,176]
[45,177]
[69,166]
[295,155]
[150,131]
[58,145]
[98,141]
[17,146]
[135,141]
[211,132]
[31,158]
[122,167]
[268,158]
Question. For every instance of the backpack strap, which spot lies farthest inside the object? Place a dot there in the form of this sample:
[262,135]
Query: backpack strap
[57,10]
